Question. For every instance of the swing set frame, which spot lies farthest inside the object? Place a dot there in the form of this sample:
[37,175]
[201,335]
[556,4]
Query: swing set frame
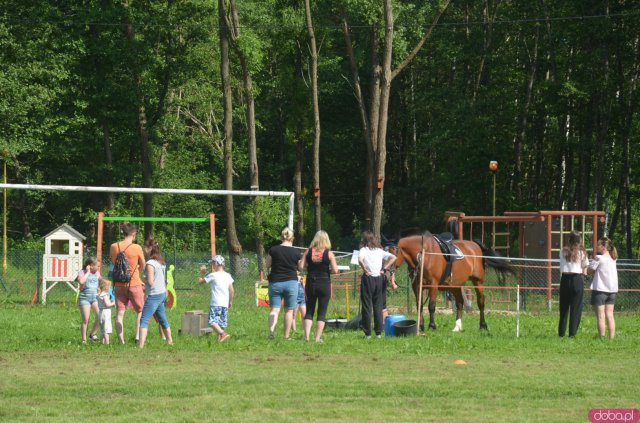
[102,218]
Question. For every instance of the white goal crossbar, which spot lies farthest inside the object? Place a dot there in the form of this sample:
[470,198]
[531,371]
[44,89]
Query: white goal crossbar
[160,191]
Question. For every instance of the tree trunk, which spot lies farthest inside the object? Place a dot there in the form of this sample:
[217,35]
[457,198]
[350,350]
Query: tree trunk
[364,117]
[372,143]
[586,148]
[297,187]
[299,148]
[143,138]
[602,128]
[613,225]
[251,132]
[381,138]
[111,201]
[233,244]
[382,76]
[147,169]
[313,52]
[488,32]
[516,181]
[22,201]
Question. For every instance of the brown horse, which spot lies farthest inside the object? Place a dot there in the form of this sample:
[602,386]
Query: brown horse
[471,267]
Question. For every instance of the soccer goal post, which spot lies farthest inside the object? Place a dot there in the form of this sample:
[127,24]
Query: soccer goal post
[174,191]
[102,218]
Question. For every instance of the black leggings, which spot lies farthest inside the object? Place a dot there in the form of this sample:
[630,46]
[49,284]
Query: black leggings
[319,292]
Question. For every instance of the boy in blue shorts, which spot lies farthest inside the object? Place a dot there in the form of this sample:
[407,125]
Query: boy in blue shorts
[222,293]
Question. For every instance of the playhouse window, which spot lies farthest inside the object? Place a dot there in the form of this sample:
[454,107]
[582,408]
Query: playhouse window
[59,246]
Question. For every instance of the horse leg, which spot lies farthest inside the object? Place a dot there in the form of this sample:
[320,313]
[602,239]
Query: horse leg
[480,295]
[433,296]
[457,293]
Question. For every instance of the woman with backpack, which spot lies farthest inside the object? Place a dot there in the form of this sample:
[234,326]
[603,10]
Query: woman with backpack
[128,259]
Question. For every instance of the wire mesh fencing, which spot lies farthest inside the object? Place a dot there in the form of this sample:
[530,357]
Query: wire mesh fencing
[536,281]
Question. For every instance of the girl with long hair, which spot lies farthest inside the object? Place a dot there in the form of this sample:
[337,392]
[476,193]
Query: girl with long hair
[155,280]
[319,262]
[604,285]
[374,261]
[573,265]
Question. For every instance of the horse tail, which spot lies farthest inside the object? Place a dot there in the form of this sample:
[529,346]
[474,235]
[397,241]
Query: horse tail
[495,261]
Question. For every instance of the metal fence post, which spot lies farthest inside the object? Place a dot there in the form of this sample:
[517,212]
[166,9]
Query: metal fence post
[38,272]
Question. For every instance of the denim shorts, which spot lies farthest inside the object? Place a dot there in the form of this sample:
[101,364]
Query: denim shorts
[287,291]
[87,297]
[300,302]
[599,298]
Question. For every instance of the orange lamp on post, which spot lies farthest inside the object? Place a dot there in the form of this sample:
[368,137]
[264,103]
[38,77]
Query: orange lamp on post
[493,167]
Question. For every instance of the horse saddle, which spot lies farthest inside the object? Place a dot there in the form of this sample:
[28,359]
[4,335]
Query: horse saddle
[450,253]
[448,248]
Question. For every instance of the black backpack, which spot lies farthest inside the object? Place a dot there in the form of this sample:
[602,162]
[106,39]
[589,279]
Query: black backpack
[120,272]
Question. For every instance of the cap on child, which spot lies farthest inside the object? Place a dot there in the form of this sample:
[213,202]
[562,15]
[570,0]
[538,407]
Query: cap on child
[219,260]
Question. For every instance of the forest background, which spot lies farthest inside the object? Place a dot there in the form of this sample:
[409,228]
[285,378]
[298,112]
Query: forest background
[377,114]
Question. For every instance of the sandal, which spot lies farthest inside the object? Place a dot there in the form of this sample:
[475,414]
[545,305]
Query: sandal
[93,337]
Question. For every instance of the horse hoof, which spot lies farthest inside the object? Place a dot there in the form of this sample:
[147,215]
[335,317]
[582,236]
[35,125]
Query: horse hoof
[432,327]
[484,328]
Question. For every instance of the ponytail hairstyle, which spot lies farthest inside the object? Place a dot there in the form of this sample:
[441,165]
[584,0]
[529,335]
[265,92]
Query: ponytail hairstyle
[321,241]
[286,234]
[574,249]
[128,228]
[608,245]
[152,251]
[369,240]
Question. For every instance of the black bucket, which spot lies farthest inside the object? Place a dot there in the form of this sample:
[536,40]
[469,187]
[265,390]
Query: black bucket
[405,327]
[336,323]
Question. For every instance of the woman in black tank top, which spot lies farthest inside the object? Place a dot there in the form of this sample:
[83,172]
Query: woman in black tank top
[320,263]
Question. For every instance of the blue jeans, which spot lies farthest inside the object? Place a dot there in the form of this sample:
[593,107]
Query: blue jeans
[287,290]
[154,306]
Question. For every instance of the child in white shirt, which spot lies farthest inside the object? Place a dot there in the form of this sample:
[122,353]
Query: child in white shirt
[222,293]
[105,304]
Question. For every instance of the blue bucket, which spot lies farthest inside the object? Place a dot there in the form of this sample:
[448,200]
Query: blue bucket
[389,330]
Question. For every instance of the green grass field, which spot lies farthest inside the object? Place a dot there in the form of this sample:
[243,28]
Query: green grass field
[48,375]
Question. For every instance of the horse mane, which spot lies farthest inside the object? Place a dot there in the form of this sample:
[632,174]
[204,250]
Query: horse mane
[413,231]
